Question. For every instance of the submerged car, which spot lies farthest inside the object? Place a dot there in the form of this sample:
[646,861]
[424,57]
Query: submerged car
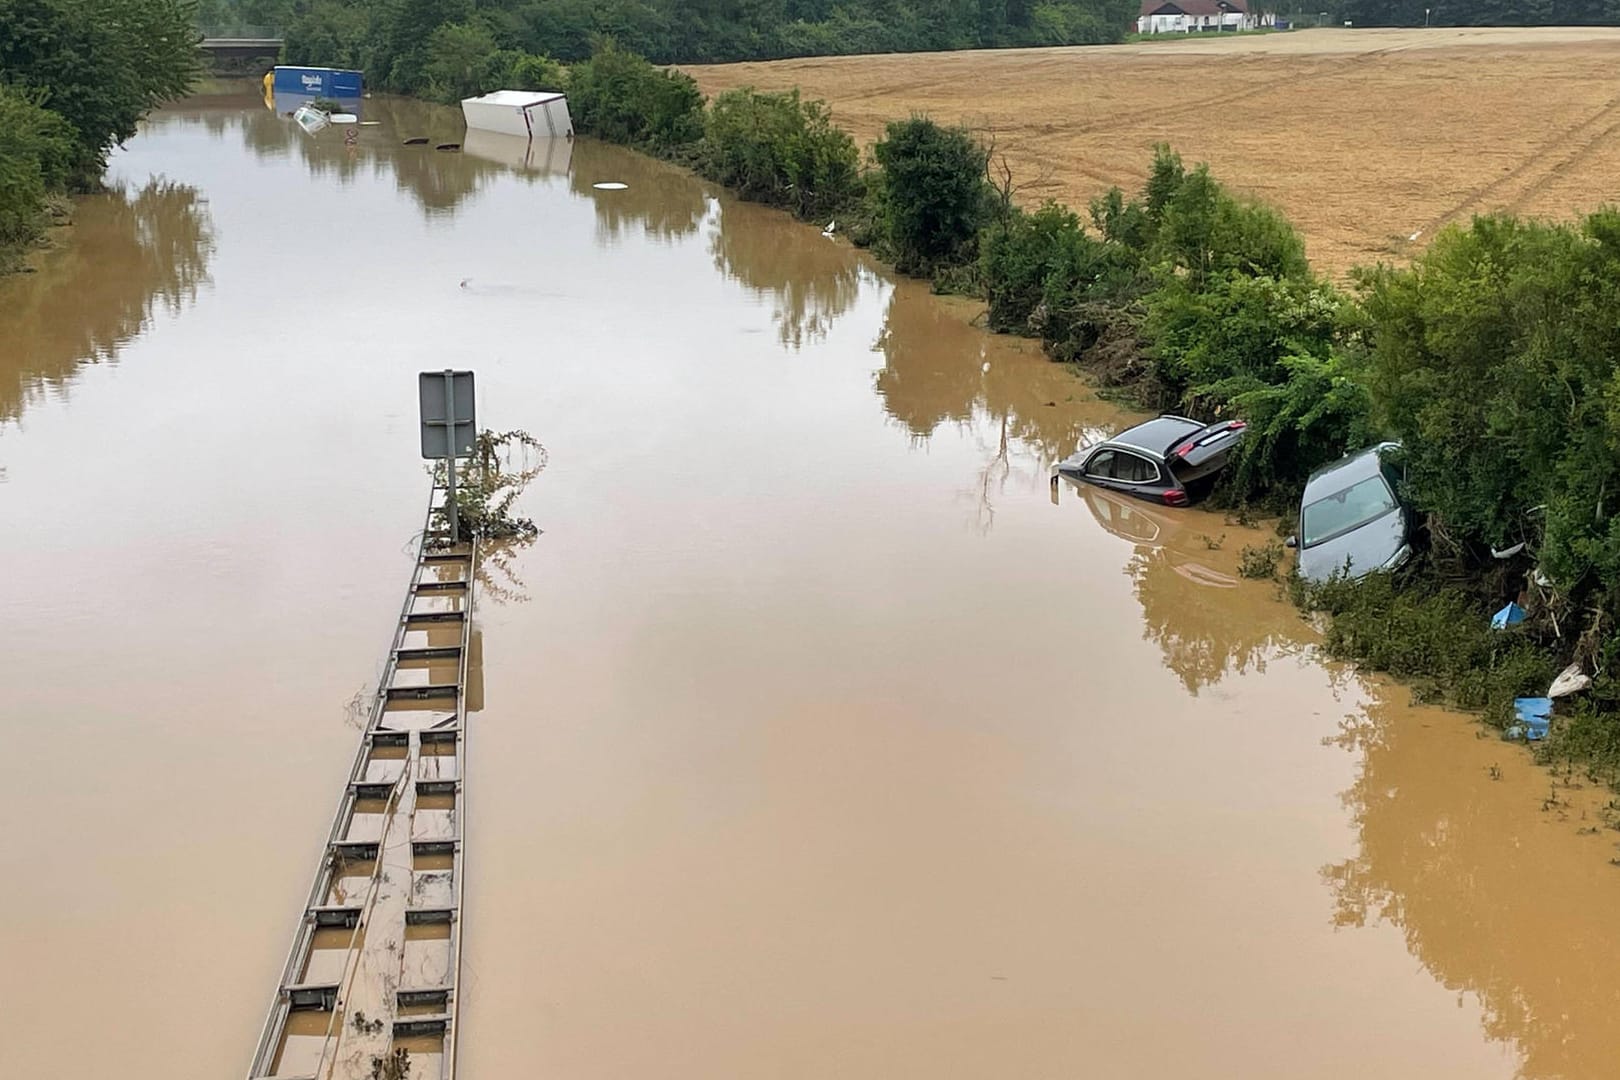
[1170,459]
[1351,522]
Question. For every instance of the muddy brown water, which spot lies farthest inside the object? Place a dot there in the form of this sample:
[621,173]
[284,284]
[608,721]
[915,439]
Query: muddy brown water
[816,740]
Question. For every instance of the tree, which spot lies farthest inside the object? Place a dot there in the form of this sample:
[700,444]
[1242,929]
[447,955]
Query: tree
[99,64]
[932,195]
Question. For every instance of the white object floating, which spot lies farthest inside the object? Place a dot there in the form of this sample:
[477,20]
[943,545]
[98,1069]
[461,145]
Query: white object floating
[371,123]
[344,118]
[832,226]
[1415,235]
[1569,681]
[310,119]
[610,185]
[986,367]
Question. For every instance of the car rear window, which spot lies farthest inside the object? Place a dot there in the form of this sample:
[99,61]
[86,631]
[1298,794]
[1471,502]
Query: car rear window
[1345,510]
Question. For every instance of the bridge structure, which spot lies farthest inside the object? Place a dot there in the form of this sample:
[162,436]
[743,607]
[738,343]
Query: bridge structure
[371,981]
[242,44]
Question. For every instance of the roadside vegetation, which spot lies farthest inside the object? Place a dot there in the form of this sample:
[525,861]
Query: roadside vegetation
[76,76]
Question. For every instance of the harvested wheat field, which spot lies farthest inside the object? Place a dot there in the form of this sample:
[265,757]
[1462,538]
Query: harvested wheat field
[1367,139]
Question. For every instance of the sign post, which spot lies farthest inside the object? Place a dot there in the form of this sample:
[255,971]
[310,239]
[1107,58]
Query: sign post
[449,428]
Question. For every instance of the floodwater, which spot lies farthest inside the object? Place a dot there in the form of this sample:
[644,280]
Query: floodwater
[816,740]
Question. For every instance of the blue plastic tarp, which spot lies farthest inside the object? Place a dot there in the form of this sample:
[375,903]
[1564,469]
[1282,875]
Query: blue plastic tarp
[1535,716]
[1512,615]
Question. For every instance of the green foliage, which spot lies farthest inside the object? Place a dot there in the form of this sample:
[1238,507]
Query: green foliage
[931,197]
[36,147]
[1496,359]
[1260,561]
[618,96]
[390,38]
[488,484]
[777,149]
[1437,638]
[1480,13]
[99,64]
[1046,257]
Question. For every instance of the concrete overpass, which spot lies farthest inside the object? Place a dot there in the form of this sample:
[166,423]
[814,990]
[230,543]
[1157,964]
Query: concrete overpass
[240,48]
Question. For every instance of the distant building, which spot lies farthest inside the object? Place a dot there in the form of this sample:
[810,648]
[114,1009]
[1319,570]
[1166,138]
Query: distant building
[1198,16]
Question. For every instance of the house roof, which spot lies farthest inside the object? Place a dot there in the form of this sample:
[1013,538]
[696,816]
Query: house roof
[1192,7]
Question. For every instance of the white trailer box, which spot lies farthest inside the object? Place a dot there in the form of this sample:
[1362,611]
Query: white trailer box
[529,113]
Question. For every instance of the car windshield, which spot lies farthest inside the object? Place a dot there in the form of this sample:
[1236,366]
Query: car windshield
[1345,510]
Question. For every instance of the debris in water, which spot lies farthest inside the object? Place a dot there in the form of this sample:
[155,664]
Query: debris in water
[986,367]
[832,227]
[419,140]
[448,146]
[610,185]
[1512,615]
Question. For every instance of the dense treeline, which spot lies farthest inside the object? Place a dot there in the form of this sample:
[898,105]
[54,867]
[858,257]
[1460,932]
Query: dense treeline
[400,43]
[1479,12]
[1494,359]
[75,78]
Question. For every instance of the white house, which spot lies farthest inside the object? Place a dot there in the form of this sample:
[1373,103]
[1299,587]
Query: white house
[1197,16]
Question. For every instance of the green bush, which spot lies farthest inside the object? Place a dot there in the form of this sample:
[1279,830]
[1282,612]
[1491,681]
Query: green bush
[618,96]
[36,153]
[1438,639]
[100,64]
[779,150]
[931,197]
[1028,259]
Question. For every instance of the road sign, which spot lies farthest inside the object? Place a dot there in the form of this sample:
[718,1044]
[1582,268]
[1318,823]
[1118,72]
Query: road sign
[448,429]
[447,413]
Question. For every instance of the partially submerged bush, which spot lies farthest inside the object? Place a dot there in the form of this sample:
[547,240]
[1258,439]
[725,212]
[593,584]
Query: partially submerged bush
[931,197]
[618,96]
[780,150]
[1260,561]
[36,148]
[1438,638]
[501,466]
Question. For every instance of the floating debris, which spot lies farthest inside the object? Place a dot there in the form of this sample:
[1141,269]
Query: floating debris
[610,185]
[420,140]
[448,146]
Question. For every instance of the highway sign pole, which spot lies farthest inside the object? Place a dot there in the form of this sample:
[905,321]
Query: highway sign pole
[449,429]
[450,464]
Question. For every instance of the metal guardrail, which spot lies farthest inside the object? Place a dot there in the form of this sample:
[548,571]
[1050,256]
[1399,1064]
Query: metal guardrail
[374,966]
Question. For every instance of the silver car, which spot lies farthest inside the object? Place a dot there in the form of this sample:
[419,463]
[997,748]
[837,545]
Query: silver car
[1350,520]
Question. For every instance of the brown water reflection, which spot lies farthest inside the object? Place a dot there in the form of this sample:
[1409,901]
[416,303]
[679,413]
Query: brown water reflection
[129,252]
[817,740]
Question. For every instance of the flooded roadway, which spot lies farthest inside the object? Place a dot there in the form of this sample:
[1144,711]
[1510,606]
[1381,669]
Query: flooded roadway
[816,740]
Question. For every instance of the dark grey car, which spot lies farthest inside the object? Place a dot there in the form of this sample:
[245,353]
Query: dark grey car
[1350,520]
[1170,459]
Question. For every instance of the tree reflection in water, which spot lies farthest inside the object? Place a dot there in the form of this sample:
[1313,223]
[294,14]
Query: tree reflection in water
[128,253]
[809,279]
[665,202]
[1500,888]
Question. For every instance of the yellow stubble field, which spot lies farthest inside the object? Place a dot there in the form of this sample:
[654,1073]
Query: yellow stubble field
[1369,140]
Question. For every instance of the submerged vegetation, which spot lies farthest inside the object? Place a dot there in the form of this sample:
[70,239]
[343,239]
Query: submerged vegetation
[501,465]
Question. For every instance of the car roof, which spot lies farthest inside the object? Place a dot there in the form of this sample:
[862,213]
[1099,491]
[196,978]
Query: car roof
[1155,436]
[1346,471]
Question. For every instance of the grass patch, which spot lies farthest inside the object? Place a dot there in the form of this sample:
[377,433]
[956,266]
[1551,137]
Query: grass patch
[1438,640]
